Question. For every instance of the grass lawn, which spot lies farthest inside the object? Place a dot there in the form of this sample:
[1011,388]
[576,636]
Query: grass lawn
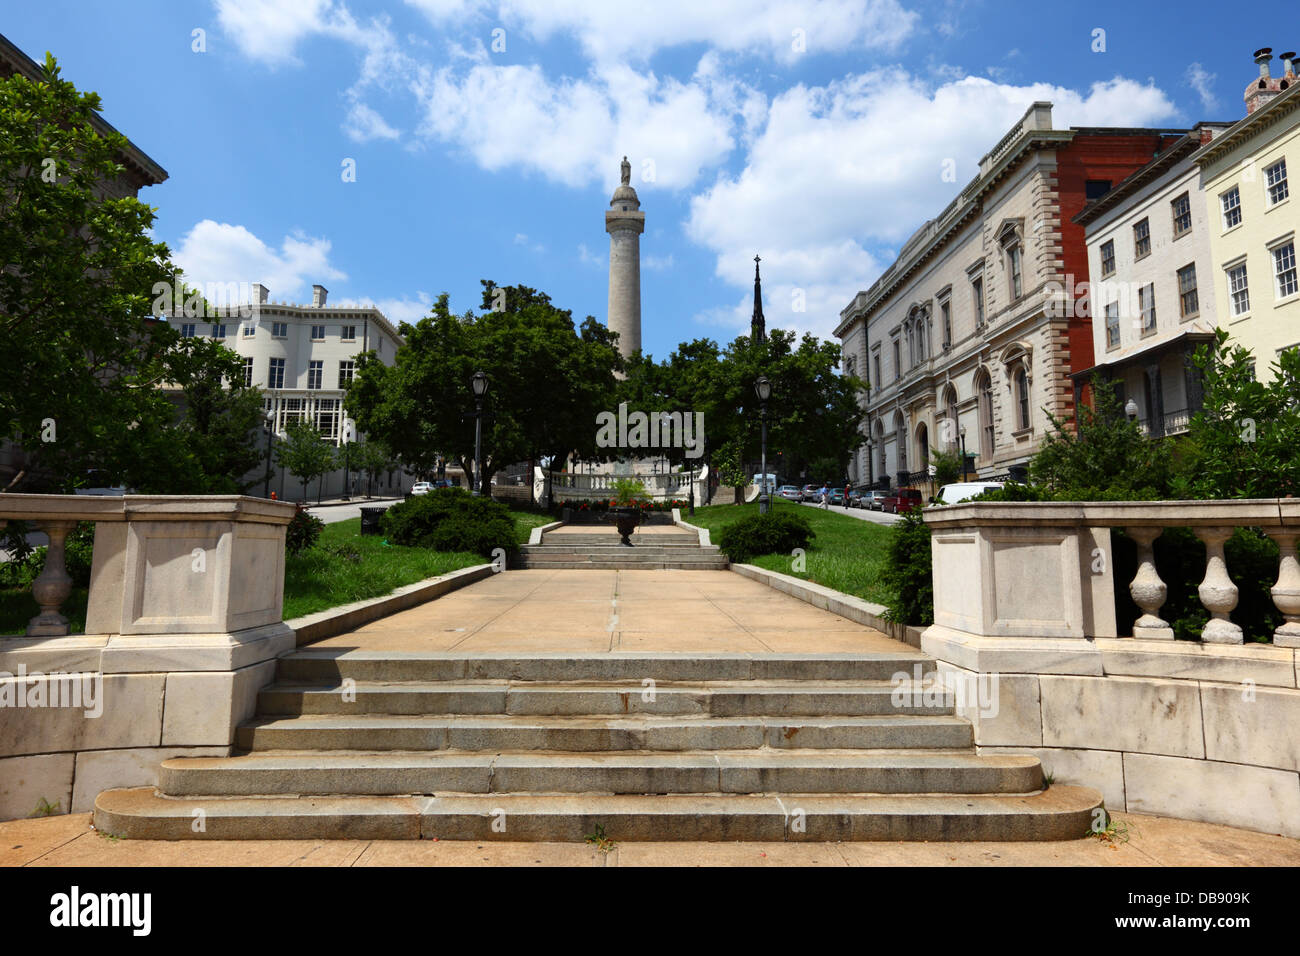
[343,567]
[847,554]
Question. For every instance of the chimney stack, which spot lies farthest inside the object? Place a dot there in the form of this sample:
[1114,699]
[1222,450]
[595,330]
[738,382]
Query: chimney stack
[1288,64]
[318,294]
[260,292]
[1263,57]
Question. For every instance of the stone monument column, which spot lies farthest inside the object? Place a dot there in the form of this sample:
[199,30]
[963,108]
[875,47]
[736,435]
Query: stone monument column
[625,222]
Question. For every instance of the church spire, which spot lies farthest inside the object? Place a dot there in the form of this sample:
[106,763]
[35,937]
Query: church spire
[757,325]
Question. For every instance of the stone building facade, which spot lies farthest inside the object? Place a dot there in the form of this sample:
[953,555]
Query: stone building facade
[302,357]
[971,334]
[1253,216]
[1151,293]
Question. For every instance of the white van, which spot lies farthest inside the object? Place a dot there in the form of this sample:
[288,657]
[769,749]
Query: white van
[964,491]
[771,482]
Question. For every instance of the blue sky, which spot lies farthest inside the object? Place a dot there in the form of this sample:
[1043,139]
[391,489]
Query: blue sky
[812,132]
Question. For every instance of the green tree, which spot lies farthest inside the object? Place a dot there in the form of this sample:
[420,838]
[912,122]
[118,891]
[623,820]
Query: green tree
[1106,457]
[370,457]
[1244,438]
[947,466]
[305,454]
[85,362]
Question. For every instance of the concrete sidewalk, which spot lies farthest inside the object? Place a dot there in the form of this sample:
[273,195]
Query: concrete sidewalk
[1153,841]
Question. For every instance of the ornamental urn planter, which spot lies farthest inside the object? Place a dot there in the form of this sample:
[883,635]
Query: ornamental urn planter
[626,520]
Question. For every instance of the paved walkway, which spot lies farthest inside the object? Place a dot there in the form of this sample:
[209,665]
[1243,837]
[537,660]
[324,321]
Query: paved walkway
[599,611]
[1154,841]
[332,511]
[862,514]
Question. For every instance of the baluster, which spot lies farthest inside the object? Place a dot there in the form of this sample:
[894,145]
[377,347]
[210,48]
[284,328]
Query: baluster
[1286,593]
[53,585]
[1147,589]
[1217,592]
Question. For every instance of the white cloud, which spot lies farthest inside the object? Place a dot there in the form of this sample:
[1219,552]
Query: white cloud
[589,258]
[521,239]
[220,253]
[658,263]
[620,32]
[842,170]
[1203,83]
[575,130]
[396,310]
[364,124]
[269,30]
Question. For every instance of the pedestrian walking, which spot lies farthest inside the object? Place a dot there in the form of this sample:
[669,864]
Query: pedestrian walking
[826,496]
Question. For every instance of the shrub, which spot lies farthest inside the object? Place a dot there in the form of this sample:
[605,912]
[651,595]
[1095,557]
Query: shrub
[303,531]
[908,571]
[78,552]
[777,532]
[451,520]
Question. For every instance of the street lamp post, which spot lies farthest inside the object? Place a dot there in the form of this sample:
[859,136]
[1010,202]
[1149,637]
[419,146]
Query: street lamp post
[763,389]
[270,440]
[347,464]
[963,453]
[480,384]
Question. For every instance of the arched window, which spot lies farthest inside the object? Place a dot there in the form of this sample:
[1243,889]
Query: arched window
[923,444]
[1022,395]
[951,431]
[984,389]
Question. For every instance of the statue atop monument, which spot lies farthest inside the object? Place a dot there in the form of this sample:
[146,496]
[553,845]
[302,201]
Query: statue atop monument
[627,172]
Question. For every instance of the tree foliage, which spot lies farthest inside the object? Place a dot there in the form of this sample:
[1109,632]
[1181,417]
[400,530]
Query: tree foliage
[304,453]
[85,363]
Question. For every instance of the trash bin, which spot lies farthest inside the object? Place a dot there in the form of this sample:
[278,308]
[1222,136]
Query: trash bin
[370,520]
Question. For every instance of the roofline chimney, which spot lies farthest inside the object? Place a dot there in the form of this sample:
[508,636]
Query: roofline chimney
[1262,57]
[1288,63]
[318,295]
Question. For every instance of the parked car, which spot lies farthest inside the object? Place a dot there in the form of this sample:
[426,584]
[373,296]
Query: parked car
[837,496]
[421,487]
[790,493]
[873,500]
[902,500]
[444,483]
[812,492]
[855,499]
[964,491]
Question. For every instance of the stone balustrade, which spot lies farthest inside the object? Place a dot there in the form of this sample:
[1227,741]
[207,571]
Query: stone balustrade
[163,564]
[1044,569]
[182,630]
[1024,613]
[660,486]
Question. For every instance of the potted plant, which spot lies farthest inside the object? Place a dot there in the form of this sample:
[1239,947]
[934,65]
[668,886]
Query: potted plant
[627,507]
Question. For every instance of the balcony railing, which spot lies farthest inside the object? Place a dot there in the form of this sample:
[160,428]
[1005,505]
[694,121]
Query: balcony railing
[1026,569]
[660,486]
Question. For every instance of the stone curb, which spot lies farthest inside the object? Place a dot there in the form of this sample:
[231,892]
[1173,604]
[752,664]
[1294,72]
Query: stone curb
[338,620]
[702,532]
[535,535]
[837,602]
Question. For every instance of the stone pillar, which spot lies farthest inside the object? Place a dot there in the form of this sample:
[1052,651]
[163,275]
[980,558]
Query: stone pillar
[1147,589]
[1217,592]
[1286,593]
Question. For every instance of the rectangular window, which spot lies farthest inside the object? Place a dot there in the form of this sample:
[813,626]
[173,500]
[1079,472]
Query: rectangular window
[349,333]
[187,330]
[1188,301]
[1182,211]
[1284,270]
[346,372]
[1238,290]
[898,365]
[275,378]
[249,330]
[248,372]
[1013,269]
[945,312]
[279,330]
[318,333]
[327,418]
[314,370]
[977,291]
[1231,203]
[1112,325]
[290,410]
[1108,258]
[1275,179]
[1147,307]
[1142,239]
[1095,188]
[877,381]
[219,331]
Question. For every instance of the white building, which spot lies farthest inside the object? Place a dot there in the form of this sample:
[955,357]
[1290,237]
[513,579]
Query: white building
[1152,285]
[302,357]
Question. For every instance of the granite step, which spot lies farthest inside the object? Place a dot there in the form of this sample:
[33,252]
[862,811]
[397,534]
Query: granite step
[1057,813]
[496,733]
[393,773]
[753,698]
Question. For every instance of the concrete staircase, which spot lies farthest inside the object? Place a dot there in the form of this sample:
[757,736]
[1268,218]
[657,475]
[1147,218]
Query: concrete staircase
[657,549]
[390,745]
